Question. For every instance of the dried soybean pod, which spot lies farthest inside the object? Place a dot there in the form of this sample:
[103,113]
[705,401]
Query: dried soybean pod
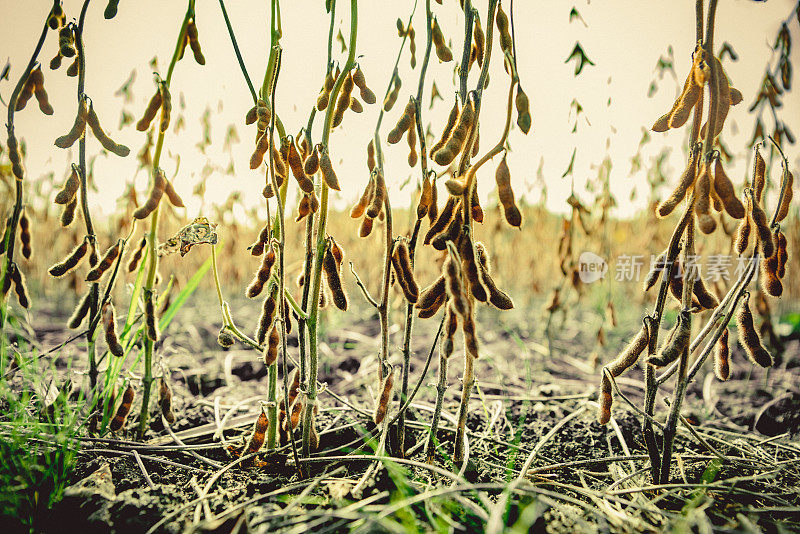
[25,234]
[429,295]
[71,186]
[25,94]
[425,197]
[506,194]
[412,146]
[166,106]
[296,164]
[503,30]
[497,298]
[173,196]
[684,105]
[659,265]
[80,312]
[324,94]
[455,186]
[269,310]
[360,206]
[263,274]
[343,102]
[404,273]
[676,344]
[110,329]
[480,40]
[334,280]
[454,285]
[662,124]
[150,320]
[471,269]
[71,261]
[57,17]
[668,205]
[759,176]
[78,127]
[152,109]
[111,9]
[387,387]
[781,253]
[705,221]
[443,220]
[66,41]
[455,143]
[105,263]
[159,185]
[749,338]
[124,409]
[37,78]
[449,331]
[366,227]
[725,190]
[256,439]
[194,42]
[470,337]
[704,297]
[523,110]
[6,283]
[723,97]
[783,208]
[442,50]
[626,359]
[262,145]
[433,209]
[137,255]
[366,93]
[250,118]
[770,281]
[722,366]
[311,165]
[379,195]
[165,400]
[762,227]
[68,215]
[742,240]
[100,135]
[451,233]
[371,155]
[403,123]
[273,342]
[451,122]
[391,98]
[55,63]
[326,168]
[72,70]
[15,157]
[20,286]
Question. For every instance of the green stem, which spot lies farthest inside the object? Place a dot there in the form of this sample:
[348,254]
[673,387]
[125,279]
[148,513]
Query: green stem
[11,228]
[152,241]
[423,163]
[94,290]
[313,311]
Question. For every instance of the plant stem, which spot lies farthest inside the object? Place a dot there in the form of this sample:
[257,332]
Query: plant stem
[11,228]
[313,310]
[152,240]
[441,388]
[468,380]
[412,246]
[94,290]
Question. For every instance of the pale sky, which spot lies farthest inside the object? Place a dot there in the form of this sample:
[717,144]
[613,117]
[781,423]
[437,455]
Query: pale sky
[624,39]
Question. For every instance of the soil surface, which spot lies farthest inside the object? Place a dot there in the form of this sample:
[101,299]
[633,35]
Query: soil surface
[734,463]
